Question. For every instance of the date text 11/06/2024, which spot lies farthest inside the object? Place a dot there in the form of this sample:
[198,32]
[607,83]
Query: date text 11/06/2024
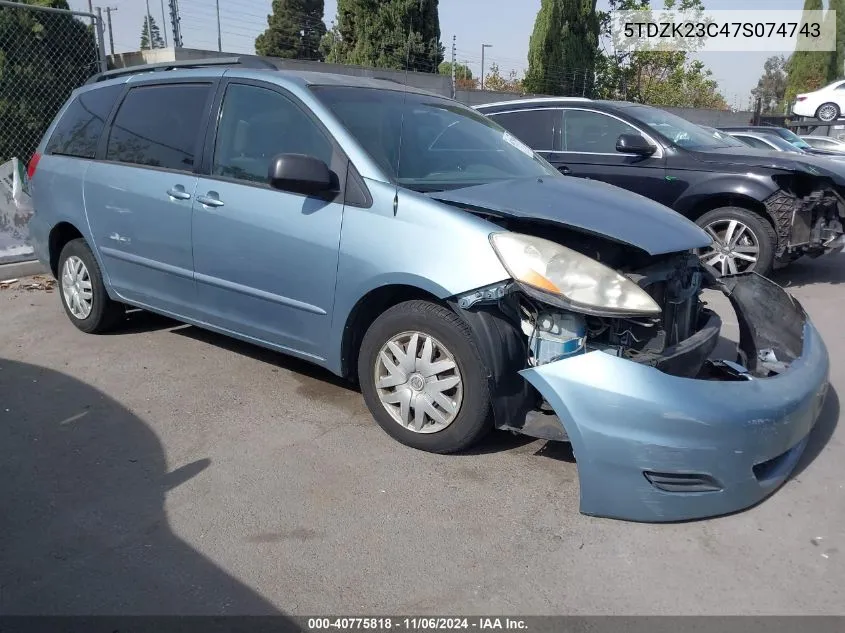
[414,623]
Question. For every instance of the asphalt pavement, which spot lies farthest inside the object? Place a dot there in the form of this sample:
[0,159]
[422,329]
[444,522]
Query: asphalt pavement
[165,469]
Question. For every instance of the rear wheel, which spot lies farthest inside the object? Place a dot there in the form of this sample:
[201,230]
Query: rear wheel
[742,241]
[828,112]
[83,294]
[423,379]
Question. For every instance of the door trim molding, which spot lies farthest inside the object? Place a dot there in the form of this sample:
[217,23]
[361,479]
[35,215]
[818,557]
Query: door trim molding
[259,294]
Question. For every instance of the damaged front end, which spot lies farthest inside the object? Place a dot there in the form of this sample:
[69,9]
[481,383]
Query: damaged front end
[660,431]
[808,213]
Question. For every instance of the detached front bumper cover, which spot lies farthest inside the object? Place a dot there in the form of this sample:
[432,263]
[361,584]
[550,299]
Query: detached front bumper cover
[654,447]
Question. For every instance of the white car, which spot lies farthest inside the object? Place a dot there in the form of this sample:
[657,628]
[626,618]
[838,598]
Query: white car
[825,142]
[826,104]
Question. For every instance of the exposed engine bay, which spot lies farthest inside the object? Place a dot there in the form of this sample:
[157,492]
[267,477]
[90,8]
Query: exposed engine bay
[808,217]
[679,341]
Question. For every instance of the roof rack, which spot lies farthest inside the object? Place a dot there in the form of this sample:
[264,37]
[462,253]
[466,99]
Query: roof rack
[247,61]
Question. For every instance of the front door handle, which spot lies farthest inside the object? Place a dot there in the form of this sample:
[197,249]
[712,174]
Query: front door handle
[564,170]
[178,193]
[211,199]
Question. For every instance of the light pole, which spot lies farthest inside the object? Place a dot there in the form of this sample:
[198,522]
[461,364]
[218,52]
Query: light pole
[483,46]
[219,34]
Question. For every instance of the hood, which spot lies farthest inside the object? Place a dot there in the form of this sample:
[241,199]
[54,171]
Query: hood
[770,159]
[586,205]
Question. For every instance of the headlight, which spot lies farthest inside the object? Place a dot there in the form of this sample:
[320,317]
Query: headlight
[563,273]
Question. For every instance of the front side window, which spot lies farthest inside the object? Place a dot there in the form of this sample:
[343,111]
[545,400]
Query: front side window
[444,145]
[159,126]
[256,125]
[78,131]
[592,132]
[535,128]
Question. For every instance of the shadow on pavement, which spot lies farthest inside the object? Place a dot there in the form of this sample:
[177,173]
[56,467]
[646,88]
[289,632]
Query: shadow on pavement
[265,355]
[83,529]
[828,269]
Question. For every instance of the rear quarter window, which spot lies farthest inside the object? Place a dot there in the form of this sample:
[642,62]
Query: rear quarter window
[535,128]
[78,131]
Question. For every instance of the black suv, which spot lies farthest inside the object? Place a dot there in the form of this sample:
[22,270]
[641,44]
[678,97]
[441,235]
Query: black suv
[761,208]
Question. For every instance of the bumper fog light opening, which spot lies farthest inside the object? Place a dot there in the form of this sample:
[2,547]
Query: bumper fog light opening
[682,482]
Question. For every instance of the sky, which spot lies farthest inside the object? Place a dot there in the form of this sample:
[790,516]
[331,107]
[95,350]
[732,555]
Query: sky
[504,24]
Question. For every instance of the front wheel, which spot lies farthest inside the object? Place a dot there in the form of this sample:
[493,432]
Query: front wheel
[827,112]
[82,291]
[742,241]
[423,378]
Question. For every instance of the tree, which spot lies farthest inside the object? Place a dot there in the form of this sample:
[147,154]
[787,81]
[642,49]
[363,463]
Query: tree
[387,34]
[495,82]
[564,42]
[807,70]
[463,75]
[656,77]
[771,87]
[295,30]
[43,57]
[837,66]
[158,41]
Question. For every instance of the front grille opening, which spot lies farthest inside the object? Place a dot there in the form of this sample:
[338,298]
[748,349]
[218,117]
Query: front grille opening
[683,482]
[771,468]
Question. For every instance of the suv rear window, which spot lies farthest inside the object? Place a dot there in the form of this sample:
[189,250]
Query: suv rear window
[78,131]
[159,126]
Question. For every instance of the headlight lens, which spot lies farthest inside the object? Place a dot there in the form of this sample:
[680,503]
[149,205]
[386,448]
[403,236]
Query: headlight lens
[576,278]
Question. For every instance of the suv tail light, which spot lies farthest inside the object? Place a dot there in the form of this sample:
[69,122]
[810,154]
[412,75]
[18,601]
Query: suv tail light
[33,163]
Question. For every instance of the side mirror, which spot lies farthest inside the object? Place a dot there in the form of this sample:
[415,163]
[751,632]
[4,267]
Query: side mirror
[299,173]
[635,144]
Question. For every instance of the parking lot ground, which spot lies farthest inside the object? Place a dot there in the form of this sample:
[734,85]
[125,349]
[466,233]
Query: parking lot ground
[165,469]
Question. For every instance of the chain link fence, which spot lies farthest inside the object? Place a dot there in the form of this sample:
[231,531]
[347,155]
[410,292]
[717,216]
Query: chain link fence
[45,54]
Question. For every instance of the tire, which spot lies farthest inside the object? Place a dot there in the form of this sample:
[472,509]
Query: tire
[103,313]
[451,340]
[757,228]
[828,112]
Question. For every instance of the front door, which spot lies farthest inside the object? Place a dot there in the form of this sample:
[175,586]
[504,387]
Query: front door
[266,260]
[588,150]
[138,199]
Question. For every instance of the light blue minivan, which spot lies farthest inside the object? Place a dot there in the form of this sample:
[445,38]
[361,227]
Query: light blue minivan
[406,242]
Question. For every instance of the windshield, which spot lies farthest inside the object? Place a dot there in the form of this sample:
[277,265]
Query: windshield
[792,137]
[782,144]
[725,138]
[445,145]
[680,131]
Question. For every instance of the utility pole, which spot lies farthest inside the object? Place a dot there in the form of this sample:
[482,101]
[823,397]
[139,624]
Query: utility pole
[163,22]
[483,46]
[91,10]
[101,42]
[454,69]
[108,23]
[149,26]
[219,37]
[174,23]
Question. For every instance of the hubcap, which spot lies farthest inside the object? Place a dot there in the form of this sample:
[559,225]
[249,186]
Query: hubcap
[76,287]
[827,112]
[418,382]
[735,248]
